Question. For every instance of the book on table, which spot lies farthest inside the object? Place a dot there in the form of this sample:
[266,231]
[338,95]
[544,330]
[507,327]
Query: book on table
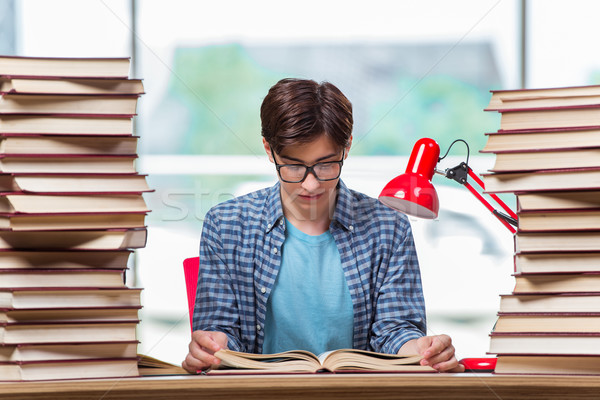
[548,364]
[69,297]
[68,144]
[557,262]
[547,322]
[121,314]
[69,164]
[107,239]
[28,203]
[150,366]
[114,67]
[58,85]
[551,303]
[68,104]
[526,343]
[66,125]
[304,361]
[563,200]
[69,369]
[557,283]
[559,220]
[71,332]
[535,160]
[546,180]
[565,241]
[70,221]
[69,259]
[542,139]
[68,351]
[545,118]
[544,97]
[39,277]
[73,183]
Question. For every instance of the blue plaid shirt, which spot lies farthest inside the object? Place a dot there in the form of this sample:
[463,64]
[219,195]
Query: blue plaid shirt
[240,255]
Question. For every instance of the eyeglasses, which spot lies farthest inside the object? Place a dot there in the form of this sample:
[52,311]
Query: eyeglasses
[323,171]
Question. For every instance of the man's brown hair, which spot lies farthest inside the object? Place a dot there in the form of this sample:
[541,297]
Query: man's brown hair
[297,111]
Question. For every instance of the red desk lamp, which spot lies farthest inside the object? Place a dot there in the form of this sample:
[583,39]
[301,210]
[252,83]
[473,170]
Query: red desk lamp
[413,193]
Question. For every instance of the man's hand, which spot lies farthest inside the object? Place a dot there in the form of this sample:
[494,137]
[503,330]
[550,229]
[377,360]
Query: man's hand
[437,352]
[202,347]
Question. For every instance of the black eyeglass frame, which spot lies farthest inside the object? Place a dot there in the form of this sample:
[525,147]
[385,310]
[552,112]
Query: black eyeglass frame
[310,169]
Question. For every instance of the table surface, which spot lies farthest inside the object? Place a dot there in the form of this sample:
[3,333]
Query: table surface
[370,386]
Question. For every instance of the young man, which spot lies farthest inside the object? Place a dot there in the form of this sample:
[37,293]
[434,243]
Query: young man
[308,263]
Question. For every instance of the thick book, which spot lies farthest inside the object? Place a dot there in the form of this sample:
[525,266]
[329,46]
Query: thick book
[548,323]
[70,221]
[150,366]
[535,160]
[28,203]
[559,220]
[543,97]
[54,85]
[39,278]
[545,343]
[67,351]
[114,239]
[66,125]
[544,303]
[113,67]
[67,332]
[67,104]
[74,183]
[535,263]
[333,361]
[71,259]
[557,283]
[556,117]
[548,139]
[559,179]
[565,200]
[567,241]
[29,315]
[68,144]
[548,364]
[27,298]
[69,369]
[70,164]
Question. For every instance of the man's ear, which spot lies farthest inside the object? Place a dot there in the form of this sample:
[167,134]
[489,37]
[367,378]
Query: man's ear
[268,150]
[348,147]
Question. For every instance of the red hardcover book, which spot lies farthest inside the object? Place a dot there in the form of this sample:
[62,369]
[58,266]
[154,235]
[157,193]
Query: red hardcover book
[78,86]
[71,259]
[73,297]
[73,183]
[66,124]
[67,104]
[68,144]
[548,364]
[558,242]
[536,160]
[542,139]
[114,67]
[67,164]
[554,117]
[559,220]
[574,262]
[40,278]
[58,203]
[68,351]
[580,343]
[548,180]
[109,239]
[549,283]
[543,97]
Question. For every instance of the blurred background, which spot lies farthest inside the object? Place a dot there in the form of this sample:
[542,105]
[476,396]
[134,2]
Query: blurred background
[411,70]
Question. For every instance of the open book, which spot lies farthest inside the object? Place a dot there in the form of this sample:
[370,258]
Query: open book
[331,361]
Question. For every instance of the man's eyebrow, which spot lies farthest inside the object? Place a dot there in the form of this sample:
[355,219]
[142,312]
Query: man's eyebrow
[302,161]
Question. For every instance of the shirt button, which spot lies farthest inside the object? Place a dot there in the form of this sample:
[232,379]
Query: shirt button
[351,227]
[263,290]
[281,222]
[258,327]
[275,250]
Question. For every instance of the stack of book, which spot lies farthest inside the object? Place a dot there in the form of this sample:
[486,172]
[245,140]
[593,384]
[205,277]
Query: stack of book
[547,153]
[71,213]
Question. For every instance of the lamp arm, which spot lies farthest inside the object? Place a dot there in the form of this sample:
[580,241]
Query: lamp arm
[461,172]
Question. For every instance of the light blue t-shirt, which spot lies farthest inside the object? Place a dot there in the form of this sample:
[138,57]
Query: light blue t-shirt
[309,307]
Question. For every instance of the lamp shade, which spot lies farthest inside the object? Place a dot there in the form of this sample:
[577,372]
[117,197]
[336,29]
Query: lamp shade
[412,192]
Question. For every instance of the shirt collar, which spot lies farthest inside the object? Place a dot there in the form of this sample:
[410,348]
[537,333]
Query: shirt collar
[343,214]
